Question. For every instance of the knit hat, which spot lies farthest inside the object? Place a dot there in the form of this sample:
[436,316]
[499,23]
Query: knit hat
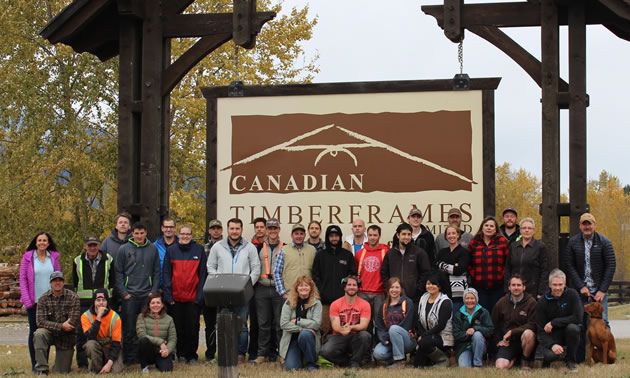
[472,291]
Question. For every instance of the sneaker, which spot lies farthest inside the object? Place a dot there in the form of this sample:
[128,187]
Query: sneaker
[355,365]
[192,361]
[182,360]
[258,360]
[145,370]
[572,367]
[241,359]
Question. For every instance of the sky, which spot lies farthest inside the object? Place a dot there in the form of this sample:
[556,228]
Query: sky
[369,40]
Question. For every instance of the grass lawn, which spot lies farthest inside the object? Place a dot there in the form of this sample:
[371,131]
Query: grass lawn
[621,312]
[15,360]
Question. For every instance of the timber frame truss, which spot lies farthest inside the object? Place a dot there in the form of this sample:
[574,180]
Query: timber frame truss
[140,32]
[485,20]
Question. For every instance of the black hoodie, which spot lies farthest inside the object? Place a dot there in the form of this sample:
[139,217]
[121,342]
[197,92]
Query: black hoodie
[331,265]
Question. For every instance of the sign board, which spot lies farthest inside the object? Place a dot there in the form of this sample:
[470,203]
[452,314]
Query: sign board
[335,157]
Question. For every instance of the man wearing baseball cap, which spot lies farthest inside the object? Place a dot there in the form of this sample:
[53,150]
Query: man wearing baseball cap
[268,301]
[454,219]
[294,259]
[57,317]
[91,270]
[590,263]
[102,328]
[420,236]
[510,228]
[214,235]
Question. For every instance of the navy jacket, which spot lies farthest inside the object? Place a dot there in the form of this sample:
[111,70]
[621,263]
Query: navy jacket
[560,312]
[602,262]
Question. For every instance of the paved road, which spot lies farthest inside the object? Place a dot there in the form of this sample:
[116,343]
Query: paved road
[15,333]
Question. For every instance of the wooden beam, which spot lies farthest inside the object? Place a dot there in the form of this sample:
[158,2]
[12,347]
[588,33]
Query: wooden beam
[522,57]
[453,15]
[211,159]
[489,164]
[175,6]
[178,69]
[550,129]
[577,112]
[69,24]
[197,25]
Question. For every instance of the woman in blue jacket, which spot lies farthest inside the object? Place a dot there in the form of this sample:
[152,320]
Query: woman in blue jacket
[393,323]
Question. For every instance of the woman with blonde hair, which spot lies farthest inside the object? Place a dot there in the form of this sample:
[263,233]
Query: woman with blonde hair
[300,320]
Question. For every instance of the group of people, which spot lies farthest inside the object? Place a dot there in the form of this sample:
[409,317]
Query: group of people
[343,301]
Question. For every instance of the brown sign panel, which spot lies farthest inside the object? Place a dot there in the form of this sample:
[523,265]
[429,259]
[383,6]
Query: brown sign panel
[337,152]
[364,152]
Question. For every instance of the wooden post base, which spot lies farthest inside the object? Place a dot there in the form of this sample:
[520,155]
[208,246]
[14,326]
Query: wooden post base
[228,330]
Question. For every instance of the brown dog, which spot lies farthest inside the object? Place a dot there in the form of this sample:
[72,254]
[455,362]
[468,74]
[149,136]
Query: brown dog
[602,342]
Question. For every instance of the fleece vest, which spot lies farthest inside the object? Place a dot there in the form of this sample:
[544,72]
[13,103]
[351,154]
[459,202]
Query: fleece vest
[296,263]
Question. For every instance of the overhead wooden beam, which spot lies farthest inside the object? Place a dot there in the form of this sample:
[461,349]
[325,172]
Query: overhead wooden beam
[522,57]
[453,15]
[68,24]
[197,25]
[176,6]
[178,69]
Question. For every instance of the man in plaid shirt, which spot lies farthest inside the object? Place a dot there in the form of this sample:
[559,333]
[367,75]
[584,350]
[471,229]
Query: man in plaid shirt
[57,316]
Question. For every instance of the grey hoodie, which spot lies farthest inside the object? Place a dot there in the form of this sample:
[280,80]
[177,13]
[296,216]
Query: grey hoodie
[137,269]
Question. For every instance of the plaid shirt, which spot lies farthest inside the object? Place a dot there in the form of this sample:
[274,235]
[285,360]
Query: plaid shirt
[487,262]
[53,311]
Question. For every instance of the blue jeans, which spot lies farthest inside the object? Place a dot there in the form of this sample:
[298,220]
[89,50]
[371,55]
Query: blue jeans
[130,309]
[32,326]
[302,344]
[241,311]
[473,357]
[457,304]
[400,343]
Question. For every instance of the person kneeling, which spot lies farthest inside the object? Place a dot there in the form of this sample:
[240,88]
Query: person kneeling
[472,325]
[434,328]
[393,323]
[559,320]
[102,328]
[300,320]
[349,317]
[156,336]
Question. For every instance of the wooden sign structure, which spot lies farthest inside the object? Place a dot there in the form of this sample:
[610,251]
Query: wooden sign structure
[485,20]
[140,32]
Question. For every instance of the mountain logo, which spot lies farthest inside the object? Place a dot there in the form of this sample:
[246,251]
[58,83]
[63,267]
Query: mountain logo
[366,152]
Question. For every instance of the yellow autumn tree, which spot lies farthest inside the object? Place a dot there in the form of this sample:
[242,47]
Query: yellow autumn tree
[611,208]
[521,190]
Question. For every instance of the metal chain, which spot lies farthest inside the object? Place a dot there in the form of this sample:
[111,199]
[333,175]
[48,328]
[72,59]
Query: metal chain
[236,62]
[460,56]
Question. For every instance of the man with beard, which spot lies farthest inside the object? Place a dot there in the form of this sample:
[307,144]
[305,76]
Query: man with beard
[314,231]
[407,262]
[421,236]
[349,316]
[184,276]
[329,267]
[510,228]
[369,260]
[102,328]
[454,219]
[235,255]
[514,318]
